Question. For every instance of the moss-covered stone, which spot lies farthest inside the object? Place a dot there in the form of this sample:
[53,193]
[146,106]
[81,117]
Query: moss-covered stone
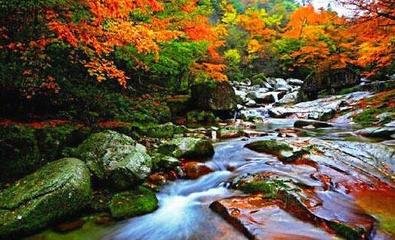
[282,150]
[115,159]
[167,130]
[187,147]
[164,162]
[213,96]
[24,149]
[133,203]
[269,188]
[57,190]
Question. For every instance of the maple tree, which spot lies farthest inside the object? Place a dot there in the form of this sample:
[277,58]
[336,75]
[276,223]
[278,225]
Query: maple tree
[374,28]
[325,43]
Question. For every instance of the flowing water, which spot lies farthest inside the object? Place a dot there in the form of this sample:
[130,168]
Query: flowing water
[184,211]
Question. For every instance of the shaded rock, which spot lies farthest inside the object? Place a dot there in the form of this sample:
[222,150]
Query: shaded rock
[318,124]
[194,170]
[330,81]
[115,159]
[187,147]
[215,96]
[133,203]
[282,150]
[57,190]
[378,132]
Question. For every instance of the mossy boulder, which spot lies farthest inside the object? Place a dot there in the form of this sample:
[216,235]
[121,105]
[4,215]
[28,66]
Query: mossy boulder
[57,190]
[115,159]
[24,149]
[282,150]
[187,147]
[214,96]
[133,203]
[164,162]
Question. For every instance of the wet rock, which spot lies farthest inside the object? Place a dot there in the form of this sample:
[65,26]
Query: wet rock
[133,203]
[312,207]
[226,133]
[115,159]
[289,132]
[55,191]
[279,84]
[282,150]
[321,109]
[261,96]
[251,103]
[317,124]
[194,170]
[214,96]
[187,147]
[288,98]
[378,132]
[253,215]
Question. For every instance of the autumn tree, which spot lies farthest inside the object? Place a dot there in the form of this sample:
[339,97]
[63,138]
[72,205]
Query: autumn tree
[322,40]
[374,27]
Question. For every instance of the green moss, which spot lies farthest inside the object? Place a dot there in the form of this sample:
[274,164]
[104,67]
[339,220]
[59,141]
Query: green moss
[133,203]
[347,232]
[368,116]
[187,147]
[387,223]
[269,146]
[57,190]
[167,130]
[282,150]
[269,188]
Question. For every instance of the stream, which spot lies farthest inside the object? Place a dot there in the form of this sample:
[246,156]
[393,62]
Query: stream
[347,180]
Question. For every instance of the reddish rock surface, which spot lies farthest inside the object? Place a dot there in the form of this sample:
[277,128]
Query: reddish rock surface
[194,170]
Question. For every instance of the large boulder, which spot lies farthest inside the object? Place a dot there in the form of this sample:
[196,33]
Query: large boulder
[330,82]
[218,97]
[133,203]
[115,159]
[57,190]
[187,147]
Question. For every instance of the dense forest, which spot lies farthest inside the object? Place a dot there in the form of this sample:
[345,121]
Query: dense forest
[111,109]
